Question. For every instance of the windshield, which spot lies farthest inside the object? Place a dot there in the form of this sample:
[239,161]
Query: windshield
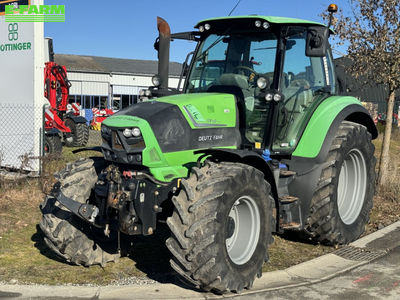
[244,54]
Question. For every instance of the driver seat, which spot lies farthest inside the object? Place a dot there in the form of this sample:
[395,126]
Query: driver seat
[241,81]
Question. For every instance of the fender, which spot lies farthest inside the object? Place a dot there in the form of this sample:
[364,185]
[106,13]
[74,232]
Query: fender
[321,129]
[246,157]
[76,119]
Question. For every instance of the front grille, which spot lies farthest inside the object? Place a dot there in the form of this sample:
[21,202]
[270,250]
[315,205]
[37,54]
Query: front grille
[117,141]
[138,144]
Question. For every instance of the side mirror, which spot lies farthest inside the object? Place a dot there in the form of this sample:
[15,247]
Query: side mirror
[317,41]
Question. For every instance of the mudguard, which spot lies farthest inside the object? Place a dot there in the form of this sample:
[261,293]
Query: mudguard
[321,129]
[246,157]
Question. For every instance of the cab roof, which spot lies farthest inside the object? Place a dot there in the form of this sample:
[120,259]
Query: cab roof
[270,19]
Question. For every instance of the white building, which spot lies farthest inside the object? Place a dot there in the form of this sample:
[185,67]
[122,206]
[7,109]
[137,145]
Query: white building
[105,82]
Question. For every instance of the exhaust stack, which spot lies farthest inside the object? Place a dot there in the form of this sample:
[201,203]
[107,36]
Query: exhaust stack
[163,51]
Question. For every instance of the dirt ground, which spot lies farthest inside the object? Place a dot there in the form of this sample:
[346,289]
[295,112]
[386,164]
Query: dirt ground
[24,257]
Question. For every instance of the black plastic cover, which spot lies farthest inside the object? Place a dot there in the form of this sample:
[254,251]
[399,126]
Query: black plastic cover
[173,131]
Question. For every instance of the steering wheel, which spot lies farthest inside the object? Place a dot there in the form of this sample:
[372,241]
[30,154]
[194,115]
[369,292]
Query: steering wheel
[250,70]
[244,68]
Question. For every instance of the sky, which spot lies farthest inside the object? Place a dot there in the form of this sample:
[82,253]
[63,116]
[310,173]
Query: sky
[127,28]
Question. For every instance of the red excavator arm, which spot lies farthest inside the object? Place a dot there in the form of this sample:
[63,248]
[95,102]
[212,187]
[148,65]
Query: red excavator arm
[56,86]
[56,90]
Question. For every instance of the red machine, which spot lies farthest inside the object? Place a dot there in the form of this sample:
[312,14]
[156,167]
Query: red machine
[99,115]
[59,119]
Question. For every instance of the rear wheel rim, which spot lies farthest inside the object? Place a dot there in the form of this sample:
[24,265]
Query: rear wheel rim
[352,186]
[243,238]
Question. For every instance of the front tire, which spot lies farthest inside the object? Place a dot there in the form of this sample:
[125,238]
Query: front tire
[343,199]
[221,227]
[67,235]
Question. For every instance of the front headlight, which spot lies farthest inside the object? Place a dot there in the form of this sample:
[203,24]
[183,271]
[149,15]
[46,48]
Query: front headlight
[136,132]
[262,83]
[156,80]
[127,132]
[131,132]
[277,97]
[269,96]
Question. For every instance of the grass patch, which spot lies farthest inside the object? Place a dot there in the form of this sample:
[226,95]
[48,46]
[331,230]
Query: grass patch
[386,208]
[285,253]
[25,259]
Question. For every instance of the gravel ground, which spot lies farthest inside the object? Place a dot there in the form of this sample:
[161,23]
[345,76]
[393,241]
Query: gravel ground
[120,282]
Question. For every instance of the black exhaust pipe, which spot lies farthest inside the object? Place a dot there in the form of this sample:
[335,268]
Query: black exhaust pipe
[163,51]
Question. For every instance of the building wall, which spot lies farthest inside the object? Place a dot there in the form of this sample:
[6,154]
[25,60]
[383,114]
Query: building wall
[113,90]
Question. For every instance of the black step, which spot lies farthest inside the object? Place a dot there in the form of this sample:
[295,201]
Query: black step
[286,173]
[291,225]
[288,199]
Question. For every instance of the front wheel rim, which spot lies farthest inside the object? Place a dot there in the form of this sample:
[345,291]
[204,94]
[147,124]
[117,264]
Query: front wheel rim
[243,238]
[352,186]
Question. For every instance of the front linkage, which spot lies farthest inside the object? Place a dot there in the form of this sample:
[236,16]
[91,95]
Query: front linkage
[125,200]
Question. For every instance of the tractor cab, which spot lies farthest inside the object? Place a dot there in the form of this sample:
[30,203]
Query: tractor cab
[279,70]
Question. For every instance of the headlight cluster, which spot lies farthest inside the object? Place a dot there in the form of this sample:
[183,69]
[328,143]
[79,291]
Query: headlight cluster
[258,23]
[205,27]
[144,93]
[276,97]
[132,132]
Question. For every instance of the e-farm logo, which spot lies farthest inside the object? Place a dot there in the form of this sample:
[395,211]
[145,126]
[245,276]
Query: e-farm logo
[35,13]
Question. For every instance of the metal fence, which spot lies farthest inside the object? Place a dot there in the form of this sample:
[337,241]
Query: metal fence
[21,136]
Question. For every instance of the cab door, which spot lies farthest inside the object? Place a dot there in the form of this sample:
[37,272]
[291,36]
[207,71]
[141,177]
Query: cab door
[305,82]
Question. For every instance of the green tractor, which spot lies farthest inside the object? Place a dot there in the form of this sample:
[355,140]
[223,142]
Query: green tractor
[258,141]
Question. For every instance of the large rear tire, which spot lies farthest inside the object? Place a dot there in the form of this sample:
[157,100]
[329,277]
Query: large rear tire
[79,135]
[67,235]
[343,199]
[221,227]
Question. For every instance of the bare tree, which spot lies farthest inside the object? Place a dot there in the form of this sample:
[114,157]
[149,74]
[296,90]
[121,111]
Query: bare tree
[371,30]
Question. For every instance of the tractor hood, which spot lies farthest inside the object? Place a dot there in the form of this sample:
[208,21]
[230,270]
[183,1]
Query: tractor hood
[173,125]
[186,121]
[210,110]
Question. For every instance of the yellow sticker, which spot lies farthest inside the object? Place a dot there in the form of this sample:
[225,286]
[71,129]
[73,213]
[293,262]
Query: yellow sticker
[258,145]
